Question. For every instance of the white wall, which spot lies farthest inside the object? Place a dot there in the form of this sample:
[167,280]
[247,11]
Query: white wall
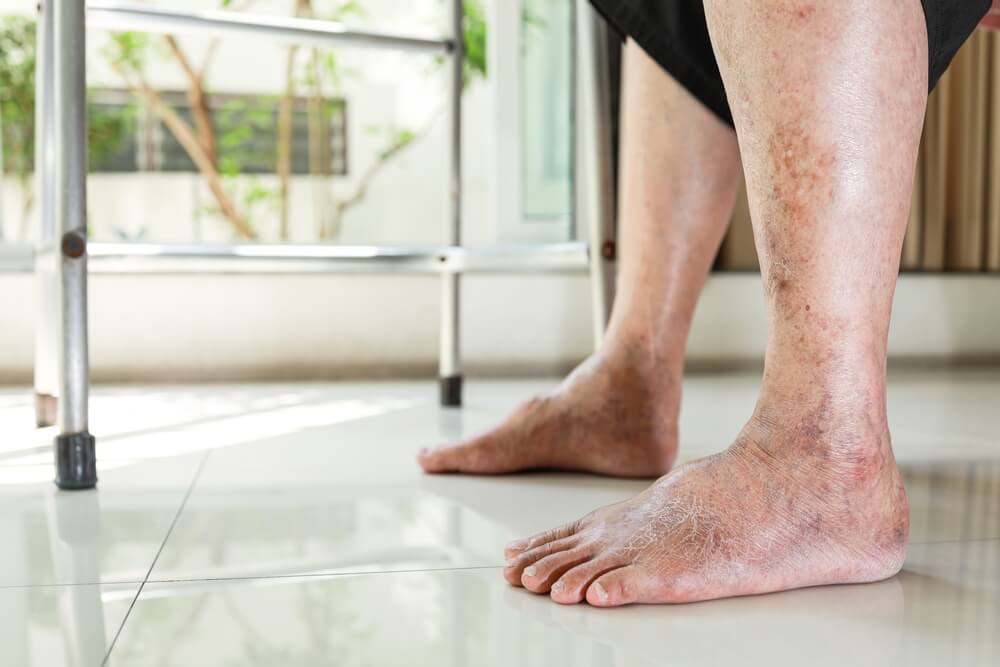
[226,327]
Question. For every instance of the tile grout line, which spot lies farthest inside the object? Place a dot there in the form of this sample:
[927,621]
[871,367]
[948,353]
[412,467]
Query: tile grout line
[324,575]
[71,584]
[305,575]
[170,530]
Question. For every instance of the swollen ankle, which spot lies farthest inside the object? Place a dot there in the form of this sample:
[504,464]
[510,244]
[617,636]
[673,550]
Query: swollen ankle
[846,436]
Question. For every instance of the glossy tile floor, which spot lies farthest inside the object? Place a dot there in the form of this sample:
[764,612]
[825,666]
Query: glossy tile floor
[287,525]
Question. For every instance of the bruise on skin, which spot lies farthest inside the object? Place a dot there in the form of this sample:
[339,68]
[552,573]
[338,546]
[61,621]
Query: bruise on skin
[801,171]
[828,437]
[815,523]
[795,11]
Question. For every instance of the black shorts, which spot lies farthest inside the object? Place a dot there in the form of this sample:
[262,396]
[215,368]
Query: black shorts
[674,34]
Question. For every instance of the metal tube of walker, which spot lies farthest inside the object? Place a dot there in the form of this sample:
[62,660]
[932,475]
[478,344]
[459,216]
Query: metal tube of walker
[46,379]
[593,171]
[450,371]
[292,30]
[75,456]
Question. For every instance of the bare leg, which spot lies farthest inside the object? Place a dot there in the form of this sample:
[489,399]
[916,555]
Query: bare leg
[828,100]
[617,413]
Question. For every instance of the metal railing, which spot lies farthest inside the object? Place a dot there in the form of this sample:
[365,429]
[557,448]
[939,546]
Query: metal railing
[61,254]
[296,31]
[293,258]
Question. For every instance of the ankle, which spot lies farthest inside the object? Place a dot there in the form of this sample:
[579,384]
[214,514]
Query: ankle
[648,355]
[840,387]
[824,428]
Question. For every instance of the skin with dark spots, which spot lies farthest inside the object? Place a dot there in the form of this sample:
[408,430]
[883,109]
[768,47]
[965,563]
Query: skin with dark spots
[608,395]
[828,102]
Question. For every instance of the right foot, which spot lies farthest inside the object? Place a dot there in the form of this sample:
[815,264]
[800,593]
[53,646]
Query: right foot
[614,415]
[808,496]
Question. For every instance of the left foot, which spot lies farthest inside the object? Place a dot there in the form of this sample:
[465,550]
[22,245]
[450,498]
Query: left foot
[815,501]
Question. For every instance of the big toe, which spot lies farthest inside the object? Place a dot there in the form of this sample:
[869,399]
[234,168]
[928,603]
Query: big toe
[473,456]
[437,459]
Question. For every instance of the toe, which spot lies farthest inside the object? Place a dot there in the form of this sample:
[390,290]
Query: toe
[516,566]
[469,456]
[571,587]
[615,588]
[440,459]
[520,546]
[540,576]
[430,459]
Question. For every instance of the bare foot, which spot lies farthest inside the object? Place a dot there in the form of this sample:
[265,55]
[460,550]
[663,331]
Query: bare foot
[614,415]
[805,503]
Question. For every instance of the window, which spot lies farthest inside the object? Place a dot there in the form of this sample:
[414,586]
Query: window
[126,137]
[531,64]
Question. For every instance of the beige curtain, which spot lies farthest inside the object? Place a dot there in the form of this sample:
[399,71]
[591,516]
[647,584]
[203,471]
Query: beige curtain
[955,214]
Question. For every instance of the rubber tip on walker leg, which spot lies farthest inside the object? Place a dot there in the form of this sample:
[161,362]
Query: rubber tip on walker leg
[451,391]
[76,461]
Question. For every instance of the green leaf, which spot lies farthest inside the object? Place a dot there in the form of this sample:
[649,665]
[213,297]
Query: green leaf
[17,93]
[475,41]
[229,166]
[345,10]
[129,50]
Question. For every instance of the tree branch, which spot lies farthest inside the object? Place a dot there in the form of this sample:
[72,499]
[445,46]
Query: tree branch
[285,135]
[206,62]
[286,110]
[189,141]
[364,183]
[196,98]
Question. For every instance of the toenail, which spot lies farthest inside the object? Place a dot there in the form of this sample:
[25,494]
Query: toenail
[559,586]
[602,595]
[530,571]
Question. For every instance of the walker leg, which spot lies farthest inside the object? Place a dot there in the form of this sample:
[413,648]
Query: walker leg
[76,462]
[594,174]
[450,362]
[46,283]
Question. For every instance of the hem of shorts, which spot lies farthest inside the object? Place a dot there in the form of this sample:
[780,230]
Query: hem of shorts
[933,43]
[686,72]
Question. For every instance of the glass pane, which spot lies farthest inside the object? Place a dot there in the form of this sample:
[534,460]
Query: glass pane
[304,145]
[547,113]
[219,138]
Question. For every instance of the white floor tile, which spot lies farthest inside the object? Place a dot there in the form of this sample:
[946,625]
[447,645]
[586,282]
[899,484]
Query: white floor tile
[50,626]
[319,478]
[349,497]
[345,496]
[944,609]
[111,534]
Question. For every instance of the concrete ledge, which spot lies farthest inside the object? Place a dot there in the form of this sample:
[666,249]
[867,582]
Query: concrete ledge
[215,328]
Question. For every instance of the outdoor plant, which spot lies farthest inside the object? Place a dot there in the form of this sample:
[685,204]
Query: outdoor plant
[217,155]
[17,105]
[315,72]
[17,114]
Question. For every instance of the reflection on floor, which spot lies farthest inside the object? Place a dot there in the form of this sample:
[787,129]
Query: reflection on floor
[287,525]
